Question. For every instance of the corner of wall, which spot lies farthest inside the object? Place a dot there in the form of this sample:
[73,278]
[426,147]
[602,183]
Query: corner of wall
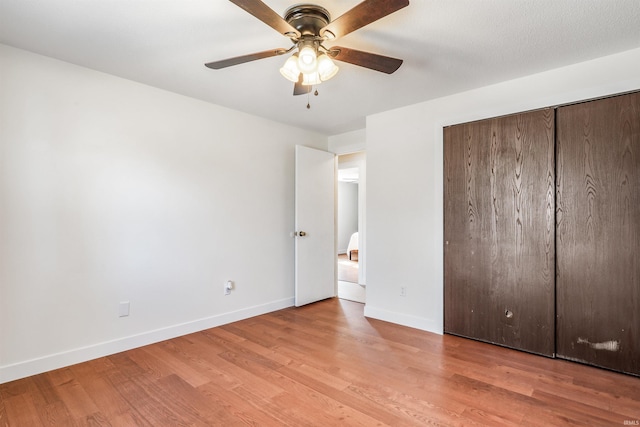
[348,142]
[422,323]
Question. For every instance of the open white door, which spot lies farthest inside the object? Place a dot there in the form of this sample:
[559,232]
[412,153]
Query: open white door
[315,225]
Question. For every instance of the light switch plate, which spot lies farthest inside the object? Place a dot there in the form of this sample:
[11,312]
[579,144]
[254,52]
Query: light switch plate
[123,309]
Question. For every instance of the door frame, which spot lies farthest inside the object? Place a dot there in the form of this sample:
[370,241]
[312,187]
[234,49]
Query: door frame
[362,216]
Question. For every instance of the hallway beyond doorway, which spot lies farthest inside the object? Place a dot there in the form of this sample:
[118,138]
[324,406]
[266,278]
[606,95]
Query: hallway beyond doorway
[348,287]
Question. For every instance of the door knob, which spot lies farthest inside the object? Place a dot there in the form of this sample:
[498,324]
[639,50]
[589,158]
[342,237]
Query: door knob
[302,233]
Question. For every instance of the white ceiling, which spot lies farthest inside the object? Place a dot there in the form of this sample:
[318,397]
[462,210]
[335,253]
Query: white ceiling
[447,45]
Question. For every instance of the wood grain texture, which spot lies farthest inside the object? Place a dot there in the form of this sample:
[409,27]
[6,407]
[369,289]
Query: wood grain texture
[499,230]
[323,364]
[598,221]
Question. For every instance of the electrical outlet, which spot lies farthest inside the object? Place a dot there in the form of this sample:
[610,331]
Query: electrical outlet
[403,291]
[228,286]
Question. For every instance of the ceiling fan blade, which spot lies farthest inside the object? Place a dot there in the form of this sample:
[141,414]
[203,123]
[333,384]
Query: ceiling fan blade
[268,16]
[363,14]
[384,64]
[217,65]
[299,88]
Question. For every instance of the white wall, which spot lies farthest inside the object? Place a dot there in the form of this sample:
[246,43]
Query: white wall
[348,142]
[347,213]
[114,191]
[405,228]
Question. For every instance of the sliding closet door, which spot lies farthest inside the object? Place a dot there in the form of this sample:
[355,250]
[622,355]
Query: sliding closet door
[499,231]
[598,226]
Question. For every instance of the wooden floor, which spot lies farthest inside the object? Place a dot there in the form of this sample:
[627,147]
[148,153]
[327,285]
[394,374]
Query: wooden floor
[347,269]
[321,365]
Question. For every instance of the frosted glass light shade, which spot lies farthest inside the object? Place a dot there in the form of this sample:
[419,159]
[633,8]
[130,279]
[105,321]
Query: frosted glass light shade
[290,69]
[311,79]
[326,67]
[307,61]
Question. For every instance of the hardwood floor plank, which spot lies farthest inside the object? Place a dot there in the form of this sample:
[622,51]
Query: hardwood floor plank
[96,419]
[623,386]
[152,366]
[41,387]
[304,370]
[50,407]
[21,410]
[592,398]
[488,398]
[321,376]
[324,364]
[3,413]
[233,376]
[105,396]
[175,364]
[341,394]
[237,406]
[579,412]
[406,408]
[72,393]
[124,369]
[54,414]
[182,399]
[150,411]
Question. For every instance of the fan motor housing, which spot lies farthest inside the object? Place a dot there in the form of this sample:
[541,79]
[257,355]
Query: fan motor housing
[307,18]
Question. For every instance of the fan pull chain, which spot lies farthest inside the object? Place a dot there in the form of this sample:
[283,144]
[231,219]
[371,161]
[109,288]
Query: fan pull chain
[308,96]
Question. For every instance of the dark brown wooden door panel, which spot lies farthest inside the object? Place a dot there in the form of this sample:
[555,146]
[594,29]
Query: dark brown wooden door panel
[598,232]
[499,231]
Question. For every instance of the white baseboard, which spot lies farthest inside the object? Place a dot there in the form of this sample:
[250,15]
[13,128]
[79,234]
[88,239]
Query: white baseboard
[421,323]
[83,354]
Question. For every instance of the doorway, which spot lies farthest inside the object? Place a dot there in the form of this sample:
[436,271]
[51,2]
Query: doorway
[350,219]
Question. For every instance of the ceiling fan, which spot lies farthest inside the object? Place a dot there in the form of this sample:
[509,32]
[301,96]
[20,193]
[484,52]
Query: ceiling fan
[308,26]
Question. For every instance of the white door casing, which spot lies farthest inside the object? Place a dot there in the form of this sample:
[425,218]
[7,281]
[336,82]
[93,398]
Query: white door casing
[361,164]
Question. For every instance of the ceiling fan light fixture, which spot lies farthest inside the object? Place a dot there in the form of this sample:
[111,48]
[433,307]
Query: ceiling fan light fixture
[290,70]
[326,67]
[311,79]
[307,60]
[308,26]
